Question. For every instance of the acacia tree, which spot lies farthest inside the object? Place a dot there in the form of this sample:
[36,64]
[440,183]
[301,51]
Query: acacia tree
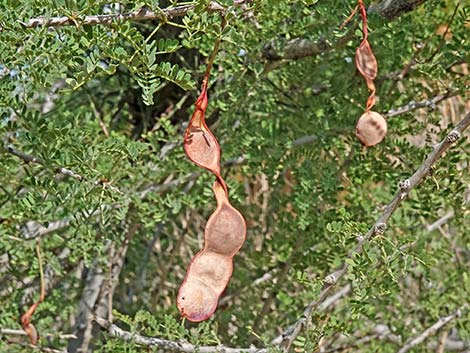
[348,247]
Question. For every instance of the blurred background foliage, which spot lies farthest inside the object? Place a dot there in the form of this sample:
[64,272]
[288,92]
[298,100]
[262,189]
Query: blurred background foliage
[110,102]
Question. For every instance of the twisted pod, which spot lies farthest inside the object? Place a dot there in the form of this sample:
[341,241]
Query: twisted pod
[371,127]
[210,269]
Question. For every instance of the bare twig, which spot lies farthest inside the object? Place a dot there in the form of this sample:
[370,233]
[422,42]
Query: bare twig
[441,221]
[173,346]
[430,330]
[142,14]
[13,332]
[431,103]
[378,228]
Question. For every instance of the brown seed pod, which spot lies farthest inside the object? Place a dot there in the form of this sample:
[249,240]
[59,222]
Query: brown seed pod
[210,270]
[366,62]
[371,128]
[199,142]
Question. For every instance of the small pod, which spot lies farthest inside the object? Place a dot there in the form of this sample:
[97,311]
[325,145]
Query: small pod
[371,128]
[200,144]
[366,62]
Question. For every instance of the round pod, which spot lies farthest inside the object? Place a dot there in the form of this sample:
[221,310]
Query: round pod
[226,230]
[213,269]
[196,301]
[371,128]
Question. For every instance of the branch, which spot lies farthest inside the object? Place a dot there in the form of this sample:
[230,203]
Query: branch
[431,330]
[174,346]
[378,228]
[59,170]
[390,9]
[417,105]
[142,14]
[13,332]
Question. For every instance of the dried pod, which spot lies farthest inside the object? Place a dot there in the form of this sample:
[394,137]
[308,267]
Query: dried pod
[371,128]
[366,62]
[210,270]
[199,142]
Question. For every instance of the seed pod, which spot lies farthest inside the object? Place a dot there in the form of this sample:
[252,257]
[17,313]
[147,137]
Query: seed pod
[366,62]
[371,128]
[199,142]
[210,270]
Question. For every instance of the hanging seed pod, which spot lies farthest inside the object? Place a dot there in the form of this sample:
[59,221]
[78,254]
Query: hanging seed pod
[211,269]
[199,142]
[371,128]
[366,62]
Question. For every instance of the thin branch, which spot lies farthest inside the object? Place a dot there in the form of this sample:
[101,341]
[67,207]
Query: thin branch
[432,102]
[441,221]
[173,346]
[378,228]
[59,170]
[142,14]
[13,332]
[431,330]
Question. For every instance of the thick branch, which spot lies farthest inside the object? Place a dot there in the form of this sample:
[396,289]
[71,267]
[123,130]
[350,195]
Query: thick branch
[173,346]
[379,227]
[142,14]
[389,9]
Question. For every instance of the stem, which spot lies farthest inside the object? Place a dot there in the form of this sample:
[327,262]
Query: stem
[41,273]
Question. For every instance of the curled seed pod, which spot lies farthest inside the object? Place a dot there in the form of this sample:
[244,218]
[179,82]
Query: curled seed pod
[199,142]
[366,62]
[371,128]
[210,270]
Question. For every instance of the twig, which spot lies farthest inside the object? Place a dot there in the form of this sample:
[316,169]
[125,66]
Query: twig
[59,170]
[378,228]
[173,346]
[423,104]
[142,14]
[443,40]
[334,298]
[13,332]
[431,330]
[28,327]
[441,221]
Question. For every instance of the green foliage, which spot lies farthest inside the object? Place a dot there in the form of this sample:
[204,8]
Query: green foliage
[110,102]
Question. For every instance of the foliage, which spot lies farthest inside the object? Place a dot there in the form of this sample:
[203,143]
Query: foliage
[110,102]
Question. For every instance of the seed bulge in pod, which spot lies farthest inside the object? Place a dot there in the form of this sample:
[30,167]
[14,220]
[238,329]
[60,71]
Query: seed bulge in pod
[371,128]
[196,300]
